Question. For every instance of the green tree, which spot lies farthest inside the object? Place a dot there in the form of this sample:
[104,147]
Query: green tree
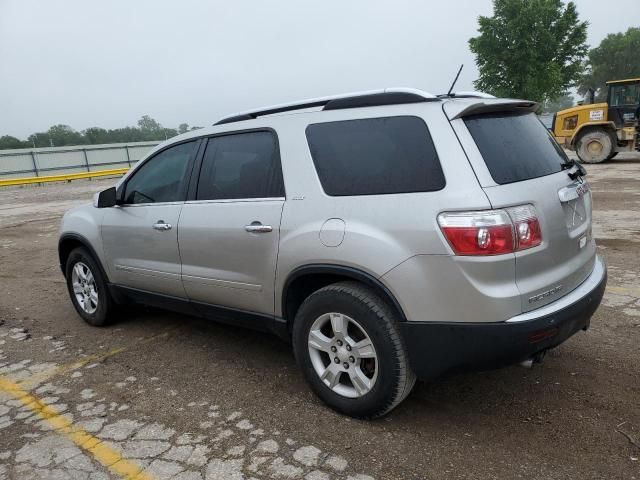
[148,124]
[126,134]
[530,49]
[96,135]
[183,128]
[39,139]
[169,132]
[616,58]
[7,141]
[62,135]
[152,130]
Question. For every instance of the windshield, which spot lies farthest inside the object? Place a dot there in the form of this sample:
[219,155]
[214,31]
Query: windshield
[625,95]
[515,146]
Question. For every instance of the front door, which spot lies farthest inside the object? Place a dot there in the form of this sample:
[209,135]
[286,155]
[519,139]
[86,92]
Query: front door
[229,233]
[140,237]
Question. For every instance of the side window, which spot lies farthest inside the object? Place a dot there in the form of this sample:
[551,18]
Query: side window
[375,156]
[161,178]
[241,165]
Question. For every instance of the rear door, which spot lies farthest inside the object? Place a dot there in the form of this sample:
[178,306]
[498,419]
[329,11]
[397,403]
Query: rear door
[229,230]
[518,162]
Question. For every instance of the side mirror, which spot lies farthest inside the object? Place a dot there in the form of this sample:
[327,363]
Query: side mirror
[107,198]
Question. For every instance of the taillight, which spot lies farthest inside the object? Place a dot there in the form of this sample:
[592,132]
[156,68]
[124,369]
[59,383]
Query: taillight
[478,233]
[526,226]
[491,232]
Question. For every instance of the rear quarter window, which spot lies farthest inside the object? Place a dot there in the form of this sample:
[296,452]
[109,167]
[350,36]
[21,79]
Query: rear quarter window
[375,156]
[515,146]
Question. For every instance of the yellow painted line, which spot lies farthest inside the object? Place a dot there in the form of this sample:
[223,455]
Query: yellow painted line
[6,182]
[99,450]
[95,447]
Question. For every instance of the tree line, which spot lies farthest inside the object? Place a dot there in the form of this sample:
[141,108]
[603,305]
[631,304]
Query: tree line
[147,129]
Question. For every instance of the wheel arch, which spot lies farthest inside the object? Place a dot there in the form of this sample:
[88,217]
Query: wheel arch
[608,127]
[306,279]
[70,241]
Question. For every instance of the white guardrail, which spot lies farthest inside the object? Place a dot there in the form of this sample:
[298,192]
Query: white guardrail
[39,165]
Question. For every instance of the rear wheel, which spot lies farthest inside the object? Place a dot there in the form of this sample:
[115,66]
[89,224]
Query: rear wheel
[595,146]
[347,343]
[88,288]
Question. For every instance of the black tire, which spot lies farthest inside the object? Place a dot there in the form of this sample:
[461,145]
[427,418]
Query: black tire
[595,146]
[105,304]
[378,320]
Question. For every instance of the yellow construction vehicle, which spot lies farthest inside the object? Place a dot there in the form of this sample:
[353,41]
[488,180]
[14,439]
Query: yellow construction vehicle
[598,131]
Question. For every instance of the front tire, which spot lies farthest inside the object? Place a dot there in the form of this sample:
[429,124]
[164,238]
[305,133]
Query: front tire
[87,288]
[347,344]
[595,146]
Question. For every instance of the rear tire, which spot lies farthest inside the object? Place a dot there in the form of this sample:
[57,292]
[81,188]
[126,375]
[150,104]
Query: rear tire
[382,377]
[88,288]
[595,146]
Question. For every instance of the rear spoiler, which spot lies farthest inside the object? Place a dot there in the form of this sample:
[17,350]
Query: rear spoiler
[498,105]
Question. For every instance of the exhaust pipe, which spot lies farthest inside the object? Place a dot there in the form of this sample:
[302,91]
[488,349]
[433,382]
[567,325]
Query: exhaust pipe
[530,362]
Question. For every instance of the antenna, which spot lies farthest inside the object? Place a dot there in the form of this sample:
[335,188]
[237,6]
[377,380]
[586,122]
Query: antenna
[455,80]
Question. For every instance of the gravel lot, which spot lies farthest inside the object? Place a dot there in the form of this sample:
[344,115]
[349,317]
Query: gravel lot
[189,399]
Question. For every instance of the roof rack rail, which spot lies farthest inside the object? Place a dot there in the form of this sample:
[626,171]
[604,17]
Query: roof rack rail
[370,98]
[470,94]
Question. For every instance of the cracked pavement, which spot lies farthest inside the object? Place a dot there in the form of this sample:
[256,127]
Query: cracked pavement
[225,444]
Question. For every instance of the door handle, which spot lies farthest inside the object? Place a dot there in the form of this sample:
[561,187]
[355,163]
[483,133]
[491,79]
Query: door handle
[160,225]
[257,227]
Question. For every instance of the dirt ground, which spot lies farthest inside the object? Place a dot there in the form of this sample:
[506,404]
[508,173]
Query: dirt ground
[188,399]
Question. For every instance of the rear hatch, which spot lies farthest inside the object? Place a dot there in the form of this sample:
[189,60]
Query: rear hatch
[518,162]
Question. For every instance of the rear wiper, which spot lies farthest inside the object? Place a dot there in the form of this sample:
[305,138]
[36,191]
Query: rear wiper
[575,169]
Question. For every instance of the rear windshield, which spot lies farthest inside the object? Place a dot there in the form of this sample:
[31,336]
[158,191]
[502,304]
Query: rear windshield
[515,146]
[375,156]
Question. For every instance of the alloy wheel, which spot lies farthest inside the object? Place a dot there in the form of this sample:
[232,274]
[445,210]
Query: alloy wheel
[84,287]
[343,355]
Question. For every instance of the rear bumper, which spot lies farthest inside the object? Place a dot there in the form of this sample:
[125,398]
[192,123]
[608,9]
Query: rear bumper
[436,347]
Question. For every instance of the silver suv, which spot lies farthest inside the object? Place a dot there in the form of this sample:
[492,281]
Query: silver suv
[388,235]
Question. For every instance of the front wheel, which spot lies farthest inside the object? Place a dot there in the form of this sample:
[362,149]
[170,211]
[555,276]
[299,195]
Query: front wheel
[595,146]
[347,343]
[88,288]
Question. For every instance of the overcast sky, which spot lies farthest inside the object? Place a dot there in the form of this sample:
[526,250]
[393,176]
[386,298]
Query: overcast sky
[103,63]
